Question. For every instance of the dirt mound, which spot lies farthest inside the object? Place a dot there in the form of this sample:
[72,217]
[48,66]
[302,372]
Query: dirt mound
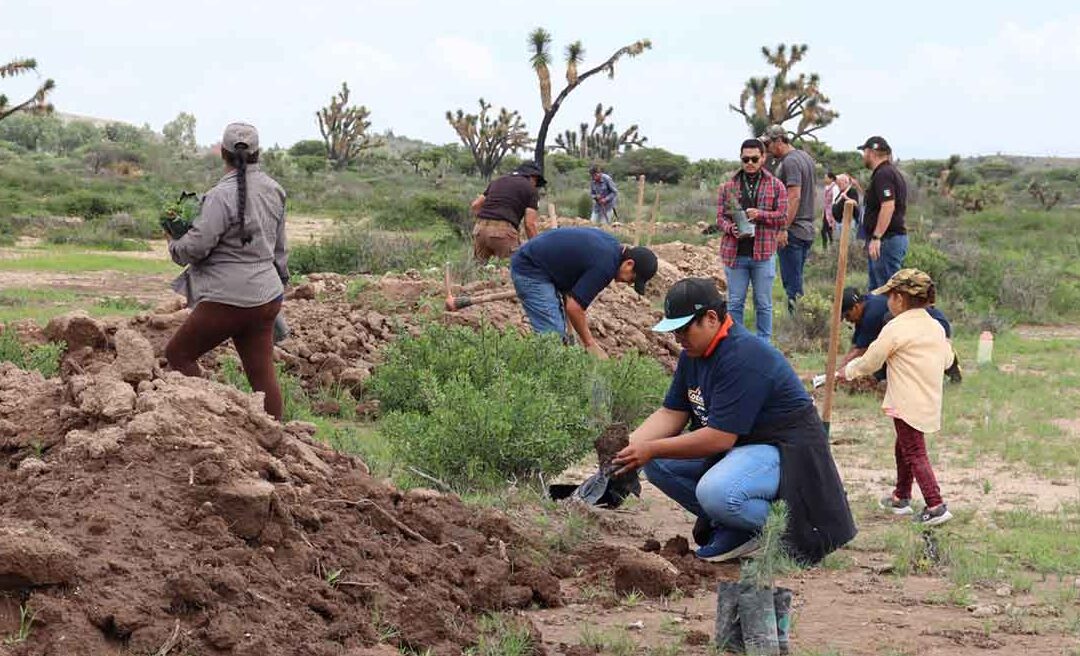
[174,511]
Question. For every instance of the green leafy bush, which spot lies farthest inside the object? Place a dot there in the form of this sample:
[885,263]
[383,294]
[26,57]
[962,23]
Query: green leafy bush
[96,234]
[925,257]
[43,358]
[656,164]
[366,251]
[308,148]
[584,206]
[478,408]
[88,204]
[422,211]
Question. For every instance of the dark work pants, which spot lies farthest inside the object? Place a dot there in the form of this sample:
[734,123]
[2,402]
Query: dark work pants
[252,332]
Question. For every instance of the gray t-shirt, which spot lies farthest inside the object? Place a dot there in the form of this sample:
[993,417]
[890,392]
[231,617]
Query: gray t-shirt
[797,169]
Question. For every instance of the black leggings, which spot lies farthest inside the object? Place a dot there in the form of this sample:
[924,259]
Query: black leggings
[252,333]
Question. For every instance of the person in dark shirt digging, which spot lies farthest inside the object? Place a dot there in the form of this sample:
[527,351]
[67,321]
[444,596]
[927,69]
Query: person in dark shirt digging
[577,263]
[869,313]
[507,202]
[754,436]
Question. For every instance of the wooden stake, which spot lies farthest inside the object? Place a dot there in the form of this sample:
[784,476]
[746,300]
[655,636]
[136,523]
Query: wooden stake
[834,323]
[655,213]
[553,216]
[640,214]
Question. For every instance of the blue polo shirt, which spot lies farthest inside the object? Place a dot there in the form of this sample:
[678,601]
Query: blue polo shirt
[580,262]
[876,314]
[745,383]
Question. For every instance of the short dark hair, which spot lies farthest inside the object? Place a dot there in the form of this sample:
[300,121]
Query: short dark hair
[753,144]
[830,175]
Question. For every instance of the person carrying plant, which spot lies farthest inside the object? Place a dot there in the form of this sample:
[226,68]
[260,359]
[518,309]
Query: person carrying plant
[237,268]
[507,202]
[747,250]
[917,351]
[737,430]
[604,195]
[577,263]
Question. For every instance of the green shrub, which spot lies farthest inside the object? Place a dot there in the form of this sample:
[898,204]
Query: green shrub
[584,206]
[366,251]
[926,257]
[478,408]
[88,204]
[563,163]
[95,234]
[43,358]
[656,164]
[308,148]
[422,211]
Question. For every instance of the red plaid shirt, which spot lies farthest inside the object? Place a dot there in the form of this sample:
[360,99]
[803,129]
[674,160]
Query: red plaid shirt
[771,200]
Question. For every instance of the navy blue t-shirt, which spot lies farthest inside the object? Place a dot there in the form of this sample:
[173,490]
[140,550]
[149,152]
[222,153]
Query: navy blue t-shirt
[876,314]
[578,261]
[746,382]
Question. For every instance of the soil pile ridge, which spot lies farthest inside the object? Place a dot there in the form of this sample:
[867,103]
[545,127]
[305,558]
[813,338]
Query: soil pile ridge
[143,509]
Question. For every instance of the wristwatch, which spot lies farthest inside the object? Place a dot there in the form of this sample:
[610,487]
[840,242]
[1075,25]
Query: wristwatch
[875,238]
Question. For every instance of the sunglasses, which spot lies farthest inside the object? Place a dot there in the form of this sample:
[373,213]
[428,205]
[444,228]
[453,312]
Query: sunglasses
[748,160]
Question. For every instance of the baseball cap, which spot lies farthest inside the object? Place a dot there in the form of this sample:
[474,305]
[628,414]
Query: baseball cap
[876,143]
[910,281]
[530,169]
[685,300]
[644,266]
[772,133]
[850,299]
[240,133]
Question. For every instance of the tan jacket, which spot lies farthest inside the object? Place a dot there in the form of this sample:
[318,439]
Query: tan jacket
[917,352]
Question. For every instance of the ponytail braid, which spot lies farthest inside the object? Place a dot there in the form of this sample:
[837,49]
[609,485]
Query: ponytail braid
[239,162]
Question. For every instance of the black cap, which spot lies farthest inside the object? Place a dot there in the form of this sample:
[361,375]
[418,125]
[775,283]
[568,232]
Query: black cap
[851,298]
[686,299]
[876,143]
[530,169]
[644,266]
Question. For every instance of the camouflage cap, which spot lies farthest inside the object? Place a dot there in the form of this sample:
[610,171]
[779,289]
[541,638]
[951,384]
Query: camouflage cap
[909,281]
[773,133]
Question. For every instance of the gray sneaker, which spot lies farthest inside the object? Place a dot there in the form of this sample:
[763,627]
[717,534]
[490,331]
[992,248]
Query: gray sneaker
[895,506]
[938,515]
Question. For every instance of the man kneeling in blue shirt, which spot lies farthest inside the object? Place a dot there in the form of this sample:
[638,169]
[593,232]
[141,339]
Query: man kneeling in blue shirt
[754,436]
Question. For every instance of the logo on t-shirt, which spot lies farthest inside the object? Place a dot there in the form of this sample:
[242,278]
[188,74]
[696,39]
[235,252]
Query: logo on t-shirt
[887,193]
[697,402]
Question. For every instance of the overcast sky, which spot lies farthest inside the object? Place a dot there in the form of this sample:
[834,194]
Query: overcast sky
[934,78]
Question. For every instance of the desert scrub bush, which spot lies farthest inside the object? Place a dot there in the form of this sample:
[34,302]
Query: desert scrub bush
[43,358]
[88,204]
[95,234]
[476,408]
[367,251]
[584,206]
[808,328]
[421,211]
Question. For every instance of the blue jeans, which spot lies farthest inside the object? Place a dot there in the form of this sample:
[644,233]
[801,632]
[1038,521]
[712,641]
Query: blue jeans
[734,493]
[541,302]
[759,273]
[792,262]
[601,214]
[893,251]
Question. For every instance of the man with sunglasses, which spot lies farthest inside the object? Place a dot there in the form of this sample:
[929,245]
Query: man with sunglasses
[747,251]
[754,436]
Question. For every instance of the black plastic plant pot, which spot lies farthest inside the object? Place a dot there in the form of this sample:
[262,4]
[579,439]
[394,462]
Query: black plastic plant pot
[175,227]
[753,620]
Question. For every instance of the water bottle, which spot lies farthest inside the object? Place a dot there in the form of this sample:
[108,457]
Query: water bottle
[986,348]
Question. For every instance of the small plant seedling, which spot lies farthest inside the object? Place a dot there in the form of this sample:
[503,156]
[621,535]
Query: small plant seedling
[26,623]
[333,577]
[632,599]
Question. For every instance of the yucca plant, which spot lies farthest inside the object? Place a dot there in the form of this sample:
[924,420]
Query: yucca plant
[540,58]
[35,103]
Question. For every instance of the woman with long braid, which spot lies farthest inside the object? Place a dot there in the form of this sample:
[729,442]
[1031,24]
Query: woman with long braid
[237,268]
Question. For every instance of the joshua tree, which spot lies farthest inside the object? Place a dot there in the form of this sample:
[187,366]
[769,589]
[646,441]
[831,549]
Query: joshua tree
[344,129]
[35,103]
[602,140]
[540,44]
[776,100]
[489,138]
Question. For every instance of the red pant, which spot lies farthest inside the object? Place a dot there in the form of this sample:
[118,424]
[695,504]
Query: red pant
[252,333]
[913,463]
